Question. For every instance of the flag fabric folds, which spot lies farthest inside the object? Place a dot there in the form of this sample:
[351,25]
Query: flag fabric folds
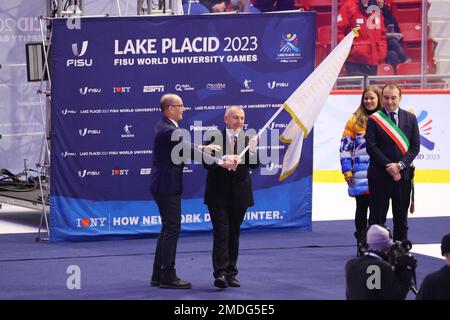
[305,104]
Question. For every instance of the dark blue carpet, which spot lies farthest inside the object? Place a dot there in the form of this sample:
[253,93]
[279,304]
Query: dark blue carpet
[273,265]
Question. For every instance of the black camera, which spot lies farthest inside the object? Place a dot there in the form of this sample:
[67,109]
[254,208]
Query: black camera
[399,256]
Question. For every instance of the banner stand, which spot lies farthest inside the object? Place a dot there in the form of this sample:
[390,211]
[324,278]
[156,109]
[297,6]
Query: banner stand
[43,167]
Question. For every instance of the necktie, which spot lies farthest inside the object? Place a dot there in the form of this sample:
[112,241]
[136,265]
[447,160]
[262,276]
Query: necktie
[234,145]
[392,116]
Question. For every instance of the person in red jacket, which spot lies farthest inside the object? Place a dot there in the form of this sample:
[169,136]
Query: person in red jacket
[370,48]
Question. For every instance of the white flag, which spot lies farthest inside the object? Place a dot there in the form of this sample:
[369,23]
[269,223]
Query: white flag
[305,104]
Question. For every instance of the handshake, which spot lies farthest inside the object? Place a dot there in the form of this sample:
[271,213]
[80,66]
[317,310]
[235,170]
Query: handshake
[230,162]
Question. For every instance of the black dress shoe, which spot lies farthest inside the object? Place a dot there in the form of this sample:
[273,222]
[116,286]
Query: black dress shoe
[154,283]
[221,282]
[233,282]
[175,284]
[155,279]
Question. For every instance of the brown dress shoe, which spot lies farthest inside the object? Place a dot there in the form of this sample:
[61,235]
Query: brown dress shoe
[175,284]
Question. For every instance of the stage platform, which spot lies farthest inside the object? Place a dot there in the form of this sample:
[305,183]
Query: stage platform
[29,199]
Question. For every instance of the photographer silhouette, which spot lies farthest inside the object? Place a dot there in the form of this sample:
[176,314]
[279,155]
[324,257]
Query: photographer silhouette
[436,285]
[383,272]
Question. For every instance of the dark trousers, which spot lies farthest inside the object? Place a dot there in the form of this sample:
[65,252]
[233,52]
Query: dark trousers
[359,69]
[226,230]
[166,247]
[381,190]
[281,5]
[362,206]
[396,54]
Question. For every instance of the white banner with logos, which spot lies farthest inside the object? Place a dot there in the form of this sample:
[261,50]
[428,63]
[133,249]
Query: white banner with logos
[433,115]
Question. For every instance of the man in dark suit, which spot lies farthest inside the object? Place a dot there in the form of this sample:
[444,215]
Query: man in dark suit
[228,194]
[393,141]
[166,188]
[436,285]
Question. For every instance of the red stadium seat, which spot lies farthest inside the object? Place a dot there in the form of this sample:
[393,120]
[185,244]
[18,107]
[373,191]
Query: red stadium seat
[320,54]
[318,4]
[415,52]
[412,32]
[324,35]
[412,41]
[407,10]
[385,69]
[408,68]
[408,15]
[412,68]
[323,44]
[322,8]
[323,19]
[406,2]
[299,4]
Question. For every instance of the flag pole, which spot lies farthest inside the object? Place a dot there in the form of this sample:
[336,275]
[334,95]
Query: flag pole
[263,129]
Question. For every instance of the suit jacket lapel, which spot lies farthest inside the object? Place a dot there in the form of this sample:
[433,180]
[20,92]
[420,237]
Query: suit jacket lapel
[402,120]
[226,143]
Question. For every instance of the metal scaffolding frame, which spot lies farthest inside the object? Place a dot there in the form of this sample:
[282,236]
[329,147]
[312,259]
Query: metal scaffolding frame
[61,9]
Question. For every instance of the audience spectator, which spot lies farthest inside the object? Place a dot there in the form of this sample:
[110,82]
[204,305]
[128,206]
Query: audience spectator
[235,5]
[215,6]
[396,54]
[241,6]
[280,5]
[370,48]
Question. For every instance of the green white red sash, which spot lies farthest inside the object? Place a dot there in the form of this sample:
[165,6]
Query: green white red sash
[392,130]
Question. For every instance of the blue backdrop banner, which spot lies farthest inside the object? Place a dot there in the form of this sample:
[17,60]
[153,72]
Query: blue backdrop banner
[108,75]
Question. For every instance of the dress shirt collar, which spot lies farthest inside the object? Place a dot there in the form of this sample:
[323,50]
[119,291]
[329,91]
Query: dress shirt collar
[395,111]
[231,133]
[174,122]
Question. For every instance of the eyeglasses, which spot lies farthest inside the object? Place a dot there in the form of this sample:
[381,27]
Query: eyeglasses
[178,105]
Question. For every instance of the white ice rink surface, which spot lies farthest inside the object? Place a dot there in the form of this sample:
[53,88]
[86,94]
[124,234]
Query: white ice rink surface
[330,202]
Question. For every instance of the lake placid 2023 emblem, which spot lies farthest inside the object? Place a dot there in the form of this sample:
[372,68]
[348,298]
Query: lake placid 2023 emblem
[289,48]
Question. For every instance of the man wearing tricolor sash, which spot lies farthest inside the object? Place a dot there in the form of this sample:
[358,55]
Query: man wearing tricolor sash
[393,141]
